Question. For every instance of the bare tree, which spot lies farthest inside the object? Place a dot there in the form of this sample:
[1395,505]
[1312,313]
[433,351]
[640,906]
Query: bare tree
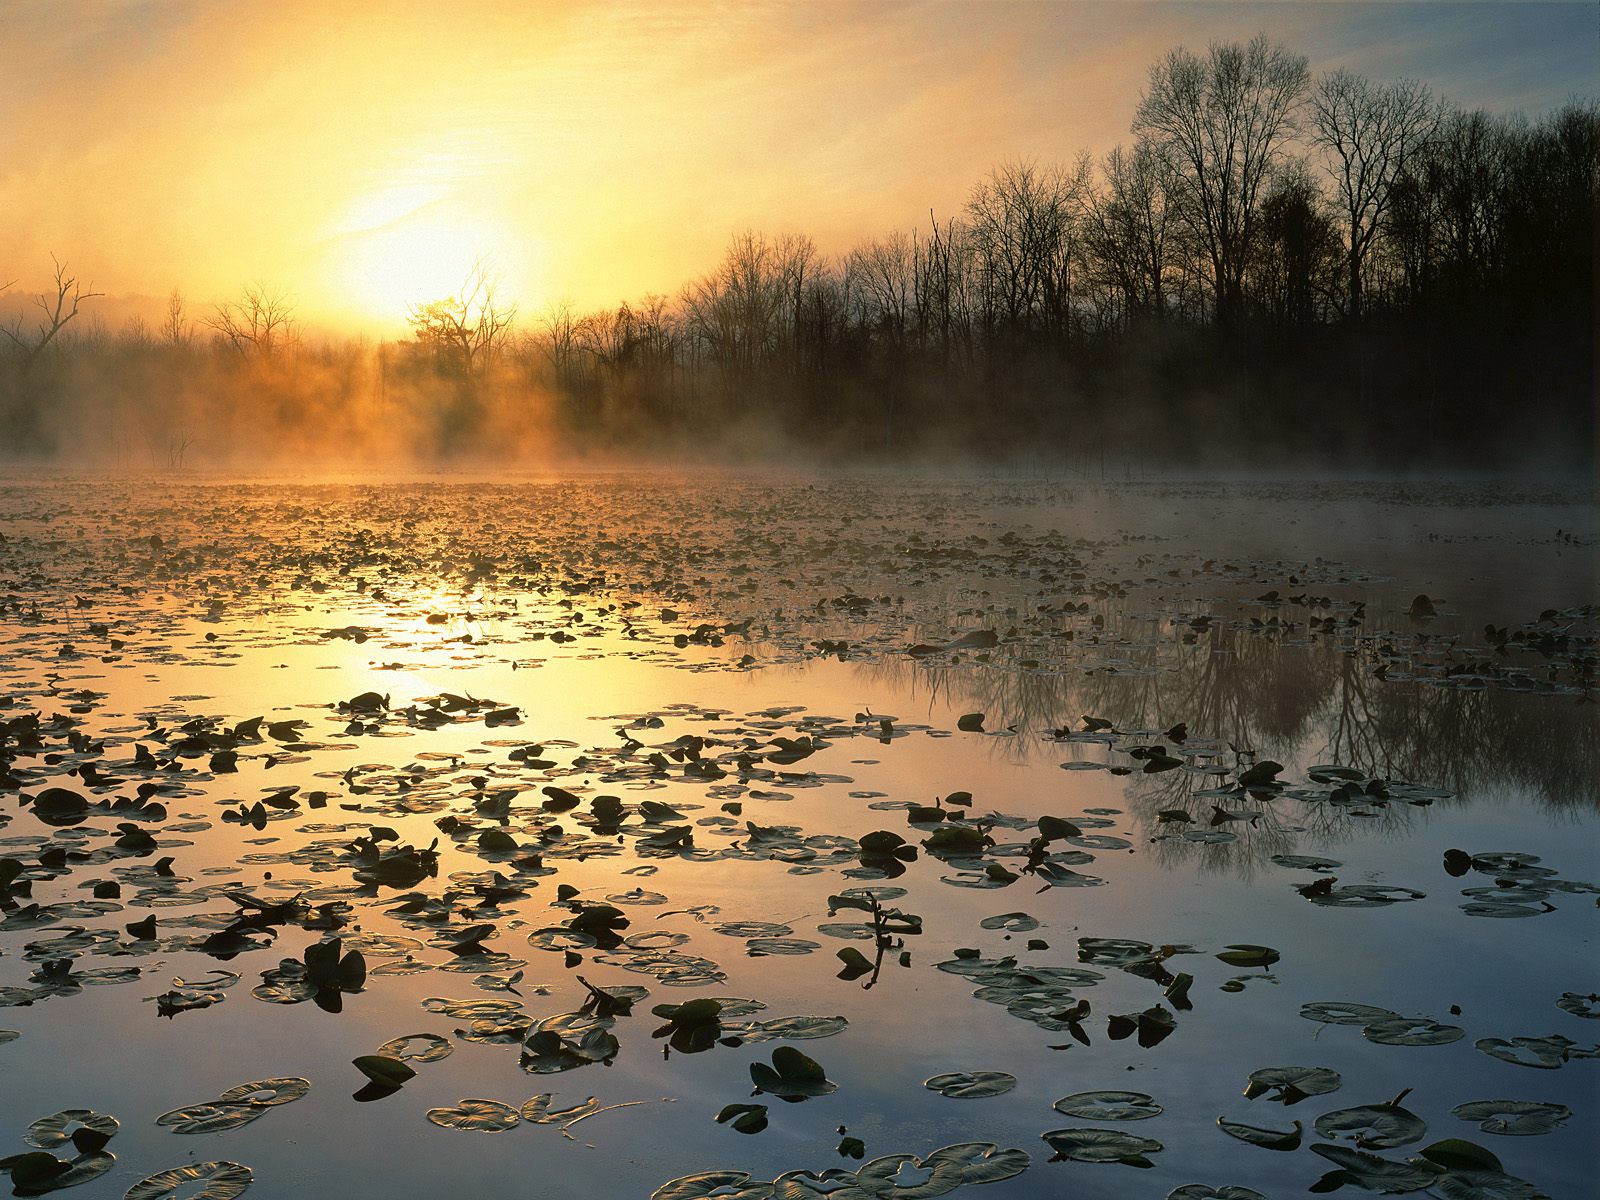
[1223,121]
[176,329]
[1022,224]
[1371,132]
[259,324]
[1127,229]
[469,328]
[56,313]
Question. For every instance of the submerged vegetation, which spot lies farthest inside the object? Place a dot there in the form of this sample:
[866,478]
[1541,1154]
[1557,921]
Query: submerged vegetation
[1279,268]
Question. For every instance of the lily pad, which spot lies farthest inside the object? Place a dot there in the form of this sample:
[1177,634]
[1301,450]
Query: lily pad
[478,1116]
[64,1127]
[267,1092]
[210,1118]
[971,1085]
[792,1076]
[1373,1126]
[1267,1139]
[223,1181]
[1100,1146]
[1290,1085]
[1515,1118]
[1108,1106]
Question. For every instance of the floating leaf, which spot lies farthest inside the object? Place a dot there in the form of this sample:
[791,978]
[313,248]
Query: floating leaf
[745,1118]
[416,1047]
[792,1076]
[1247,955]
[1100,1146]
[1373,1126]
[478,1116]
[223,1181]
[1267,1139]
[1546,1053]
[283,1089]
[1516,1118]
[60,1128]
[1292,1084]
[1412,1031]
[210,1118]
[383,1070]
[971,1085]
[1108,1106]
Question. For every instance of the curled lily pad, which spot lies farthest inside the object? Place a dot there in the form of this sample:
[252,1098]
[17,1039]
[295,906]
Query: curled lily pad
[537,1110]
[1247,955]
[744,1118]
[1199,1191]
[1100,1146]
[223,1181]
[1291,1084]
[383,1070]
[267,1092]
[1372,1172]
[1108,1106]
[1267,1139]
[792,1076]
[39,1172]
[417,1047]
[65,1126]
[479,1116]
[209,1118]
[971,1085]
[1412,1031]
[1517,1118]
[1373,1126]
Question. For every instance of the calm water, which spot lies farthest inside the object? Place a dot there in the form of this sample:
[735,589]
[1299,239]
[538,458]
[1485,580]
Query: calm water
[789,667]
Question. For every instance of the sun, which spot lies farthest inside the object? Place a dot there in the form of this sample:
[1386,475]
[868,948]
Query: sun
[408,245]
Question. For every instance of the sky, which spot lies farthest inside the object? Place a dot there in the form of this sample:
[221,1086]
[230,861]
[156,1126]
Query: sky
[359,156]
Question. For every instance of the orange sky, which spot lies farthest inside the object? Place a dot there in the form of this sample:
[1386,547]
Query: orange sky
[359,156]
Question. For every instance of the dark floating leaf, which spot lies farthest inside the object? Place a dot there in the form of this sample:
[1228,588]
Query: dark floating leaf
[1516,1118]
[1373,1126]
[1291,1084]
[1267,1139]
[1108,1106]
[383,1070]
[745,1118]
[1100,1146]
[792,1076]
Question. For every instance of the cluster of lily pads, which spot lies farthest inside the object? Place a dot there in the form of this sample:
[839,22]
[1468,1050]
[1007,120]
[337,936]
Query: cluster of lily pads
[350,898]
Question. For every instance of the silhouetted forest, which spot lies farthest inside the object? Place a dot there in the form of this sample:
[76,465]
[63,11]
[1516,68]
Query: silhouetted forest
[1278,270]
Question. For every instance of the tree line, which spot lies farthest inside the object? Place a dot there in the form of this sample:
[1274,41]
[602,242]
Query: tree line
[1277,267]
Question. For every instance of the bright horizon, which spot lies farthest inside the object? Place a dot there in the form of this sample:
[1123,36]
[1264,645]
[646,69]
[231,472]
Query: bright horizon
[360,161]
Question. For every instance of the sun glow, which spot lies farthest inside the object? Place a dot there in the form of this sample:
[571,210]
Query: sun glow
[407,245]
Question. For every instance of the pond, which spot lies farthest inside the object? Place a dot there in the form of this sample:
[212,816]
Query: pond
[692,835]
